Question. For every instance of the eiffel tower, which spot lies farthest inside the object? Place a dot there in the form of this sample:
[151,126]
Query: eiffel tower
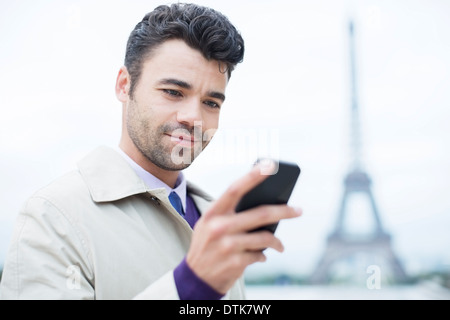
[340,244]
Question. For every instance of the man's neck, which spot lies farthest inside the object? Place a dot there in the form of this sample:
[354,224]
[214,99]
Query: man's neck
[168,177]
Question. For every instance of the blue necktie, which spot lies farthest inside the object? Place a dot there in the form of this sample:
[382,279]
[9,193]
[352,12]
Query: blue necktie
[176,202]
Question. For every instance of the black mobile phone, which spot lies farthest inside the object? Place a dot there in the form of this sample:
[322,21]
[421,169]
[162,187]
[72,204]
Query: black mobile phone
[276,189]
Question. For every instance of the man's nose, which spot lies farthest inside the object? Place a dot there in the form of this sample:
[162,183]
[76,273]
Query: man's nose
[190,113]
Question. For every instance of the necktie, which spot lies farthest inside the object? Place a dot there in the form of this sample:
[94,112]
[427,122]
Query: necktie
[176,202]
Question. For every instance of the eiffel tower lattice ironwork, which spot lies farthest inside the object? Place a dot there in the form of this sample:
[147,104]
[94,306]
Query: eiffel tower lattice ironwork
[341,245]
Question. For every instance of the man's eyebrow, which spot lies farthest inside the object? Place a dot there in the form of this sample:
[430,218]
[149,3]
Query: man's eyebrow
[217,95]
[176,82]
[185,85]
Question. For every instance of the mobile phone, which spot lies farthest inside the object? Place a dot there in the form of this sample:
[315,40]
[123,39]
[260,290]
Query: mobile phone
[276,189]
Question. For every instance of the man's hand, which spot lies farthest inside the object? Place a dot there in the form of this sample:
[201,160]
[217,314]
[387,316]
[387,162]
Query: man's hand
[222,247]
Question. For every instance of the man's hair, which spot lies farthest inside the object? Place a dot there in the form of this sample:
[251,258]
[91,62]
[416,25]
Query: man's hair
[201,28]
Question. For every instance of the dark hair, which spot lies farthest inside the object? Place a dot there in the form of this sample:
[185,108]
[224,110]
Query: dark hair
[203,29]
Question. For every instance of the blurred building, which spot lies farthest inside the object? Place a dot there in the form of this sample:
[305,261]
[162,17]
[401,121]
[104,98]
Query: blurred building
[370,252]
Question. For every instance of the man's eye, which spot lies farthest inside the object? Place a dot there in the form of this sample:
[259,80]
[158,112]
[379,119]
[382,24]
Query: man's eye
[173,93]
[212,104]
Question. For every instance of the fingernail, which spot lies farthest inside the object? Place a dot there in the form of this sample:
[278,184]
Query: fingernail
[267,167]
[298,211]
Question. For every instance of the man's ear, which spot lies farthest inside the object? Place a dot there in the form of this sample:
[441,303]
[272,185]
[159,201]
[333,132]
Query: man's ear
[123,82]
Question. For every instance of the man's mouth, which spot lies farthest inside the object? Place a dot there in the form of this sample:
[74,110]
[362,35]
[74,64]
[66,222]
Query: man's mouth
[183,139]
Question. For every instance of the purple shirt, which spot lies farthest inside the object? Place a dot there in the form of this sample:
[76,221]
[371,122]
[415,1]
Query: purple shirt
[189,285]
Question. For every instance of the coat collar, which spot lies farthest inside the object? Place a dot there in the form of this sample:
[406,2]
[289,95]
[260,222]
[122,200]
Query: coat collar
[109,178]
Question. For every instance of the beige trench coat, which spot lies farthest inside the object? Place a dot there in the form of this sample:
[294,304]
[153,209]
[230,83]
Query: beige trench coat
[99,233]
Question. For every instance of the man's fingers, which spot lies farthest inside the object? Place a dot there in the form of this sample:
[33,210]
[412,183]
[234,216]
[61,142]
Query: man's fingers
[251,257]
[257,241]
[262,216]
[228,201]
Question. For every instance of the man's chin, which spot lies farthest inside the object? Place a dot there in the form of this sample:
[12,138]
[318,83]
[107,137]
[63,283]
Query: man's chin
[174,167]
[173,158]
[181,160]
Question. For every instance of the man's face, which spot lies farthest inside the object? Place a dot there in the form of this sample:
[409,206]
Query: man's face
[175,106]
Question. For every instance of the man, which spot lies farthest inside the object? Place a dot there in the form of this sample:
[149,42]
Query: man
[127,224]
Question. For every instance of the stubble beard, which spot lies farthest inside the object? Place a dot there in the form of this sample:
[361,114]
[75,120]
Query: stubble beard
[155,143]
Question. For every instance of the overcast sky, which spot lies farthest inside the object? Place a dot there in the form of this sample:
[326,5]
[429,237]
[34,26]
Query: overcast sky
[289,98]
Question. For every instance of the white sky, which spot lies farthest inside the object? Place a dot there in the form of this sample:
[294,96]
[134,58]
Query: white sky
[59,61]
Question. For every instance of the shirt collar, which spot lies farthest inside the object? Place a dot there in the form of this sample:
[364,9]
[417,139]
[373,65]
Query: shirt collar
[154,183]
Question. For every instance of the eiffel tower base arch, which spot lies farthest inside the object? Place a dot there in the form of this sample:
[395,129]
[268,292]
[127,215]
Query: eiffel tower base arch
[340,249]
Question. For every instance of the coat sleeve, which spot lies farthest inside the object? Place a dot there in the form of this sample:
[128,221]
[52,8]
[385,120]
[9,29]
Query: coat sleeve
[162,289]
[165,289]
[47,258]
